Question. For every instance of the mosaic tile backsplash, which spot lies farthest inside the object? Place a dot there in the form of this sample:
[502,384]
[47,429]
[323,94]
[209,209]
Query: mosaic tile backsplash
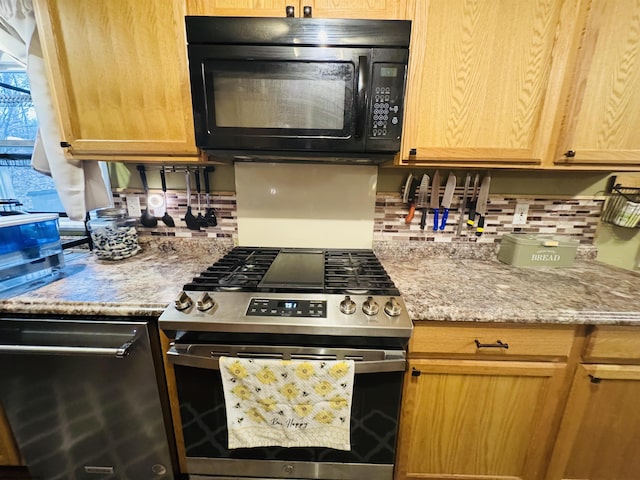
[576,217]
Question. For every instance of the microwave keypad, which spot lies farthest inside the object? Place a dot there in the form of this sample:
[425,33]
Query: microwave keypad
[388,81]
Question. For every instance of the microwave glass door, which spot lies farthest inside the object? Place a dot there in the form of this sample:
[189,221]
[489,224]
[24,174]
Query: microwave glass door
[288,98]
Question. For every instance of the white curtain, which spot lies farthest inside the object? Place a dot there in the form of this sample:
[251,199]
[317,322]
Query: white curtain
[80,185]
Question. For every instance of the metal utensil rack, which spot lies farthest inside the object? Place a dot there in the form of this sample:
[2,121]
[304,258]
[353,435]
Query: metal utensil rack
[623,207]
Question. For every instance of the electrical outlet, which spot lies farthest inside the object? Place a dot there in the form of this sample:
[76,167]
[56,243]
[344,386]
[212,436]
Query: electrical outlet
[520,214]
[133,206]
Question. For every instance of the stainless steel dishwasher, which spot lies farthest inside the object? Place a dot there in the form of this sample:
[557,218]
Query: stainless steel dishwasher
[84,398]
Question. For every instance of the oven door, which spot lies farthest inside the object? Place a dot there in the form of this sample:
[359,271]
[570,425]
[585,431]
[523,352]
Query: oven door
[374,416]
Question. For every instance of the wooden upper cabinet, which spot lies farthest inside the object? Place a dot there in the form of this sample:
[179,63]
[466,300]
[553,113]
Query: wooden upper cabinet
[119,75]
[240,8]
[367,9]
[602,120]
[482,86]
[370,9]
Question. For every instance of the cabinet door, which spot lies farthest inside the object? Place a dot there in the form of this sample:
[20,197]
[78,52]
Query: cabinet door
[477,419]
[367,9]
[241,8]
[482,76]
[599,436]
[603,119]
[8,451]
[119,75]
[375,9]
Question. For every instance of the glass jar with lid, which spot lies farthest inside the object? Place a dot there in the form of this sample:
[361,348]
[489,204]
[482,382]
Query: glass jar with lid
[113,234]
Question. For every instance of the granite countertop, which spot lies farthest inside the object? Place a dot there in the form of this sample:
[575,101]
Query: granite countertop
[463,283]
[140,285]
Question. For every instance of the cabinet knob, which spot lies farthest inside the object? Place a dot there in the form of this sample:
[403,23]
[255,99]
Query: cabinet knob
[290,10]
[65,144]
[570,153]
[595,379]
[306,11]
[415,372]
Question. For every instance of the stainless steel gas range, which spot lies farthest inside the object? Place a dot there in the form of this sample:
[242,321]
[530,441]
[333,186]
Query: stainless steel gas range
[311,304]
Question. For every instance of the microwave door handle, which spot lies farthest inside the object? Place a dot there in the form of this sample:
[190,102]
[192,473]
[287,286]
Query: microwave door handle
[361,103]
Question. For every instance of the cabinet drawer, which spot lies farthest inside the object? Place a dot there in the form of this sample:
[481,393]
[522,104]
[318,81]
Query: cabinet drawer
[613,344]
[483,340]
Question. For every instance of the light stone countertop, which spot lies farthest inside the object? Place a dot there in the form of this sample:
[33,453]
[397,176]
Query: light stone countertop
[455,283]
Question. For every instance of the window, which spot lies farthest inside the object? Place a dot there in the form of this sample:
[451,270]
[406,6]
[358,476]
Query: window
[21,187]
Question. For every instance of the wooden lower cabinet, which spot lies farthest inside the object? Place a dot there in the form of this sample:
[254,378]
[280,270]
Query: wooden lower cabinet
[477,419]
[599,437]
[8,451]
[482,401]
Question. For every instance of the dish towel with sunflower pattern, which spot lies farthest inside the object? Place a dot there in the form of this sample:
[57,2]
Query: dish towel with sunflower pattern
[288,403]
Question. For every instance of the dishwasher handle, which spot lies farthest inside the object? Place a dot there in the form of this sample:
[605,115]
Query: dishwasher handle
[213,362]
[119,352]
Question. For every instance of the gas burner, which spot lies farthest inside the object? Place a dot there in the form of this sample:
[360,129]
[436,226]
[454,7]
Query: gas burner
[233,280]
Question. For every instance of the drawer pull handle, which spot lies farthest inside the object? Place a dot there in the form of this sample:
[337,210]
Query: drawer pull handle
[594,379]
[498,344]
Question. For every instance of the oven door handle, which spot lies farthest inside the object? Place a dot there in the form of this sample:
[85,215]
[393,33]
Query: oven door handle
[213,363]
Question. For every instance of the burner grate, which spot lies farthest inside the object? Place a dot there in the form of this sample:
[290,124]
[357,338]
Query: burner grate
[345,272]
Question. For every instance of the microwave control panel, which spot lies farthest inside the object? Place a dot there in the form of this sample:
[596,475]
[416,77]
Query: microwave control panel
[386,100]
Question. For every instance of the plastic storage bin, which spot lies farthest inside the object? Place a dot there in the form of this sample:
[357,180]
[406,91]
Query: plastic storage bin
[113,234]
[30,248]
[531,250]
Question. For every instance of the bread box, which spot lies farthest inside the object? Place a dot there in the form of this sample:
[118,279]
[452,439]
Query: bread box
[537,250]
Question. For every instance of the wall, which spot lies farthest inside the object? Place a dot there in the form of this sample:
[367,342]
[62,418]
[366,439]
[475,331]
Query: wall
[616,245]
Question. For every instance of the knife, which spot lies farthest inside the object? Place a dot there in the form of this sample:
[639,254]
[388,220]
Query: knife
[463,204]
[411,197]
[407,185]
[435,198]
[422,203]
[481,206]
[449,190]
[472,202]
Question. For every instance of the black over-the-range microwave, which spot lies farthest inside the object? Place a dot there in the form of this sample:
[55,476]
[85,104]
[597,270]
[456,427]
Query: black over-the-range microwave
[298,88]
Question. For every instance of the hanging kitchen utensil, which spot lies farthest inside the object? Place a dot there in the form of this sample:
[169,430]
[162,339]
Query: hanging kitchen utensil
[481,207]
[422,203]
[209,214]
[166,218]
[447,198]
[189,218]
[463,204]
[412,200]
[200,218]
[434,202]
[473,201]
[146,219]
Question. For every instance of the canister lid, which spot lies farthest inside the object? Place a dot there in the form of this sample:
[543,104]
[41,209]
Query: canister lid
[111,212]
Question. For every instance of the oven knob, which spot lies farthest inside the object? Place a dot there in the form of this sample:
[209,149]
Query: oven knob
[392,307]
[288,469]
[205,302]
[370,306]
[183,301]
[347,305]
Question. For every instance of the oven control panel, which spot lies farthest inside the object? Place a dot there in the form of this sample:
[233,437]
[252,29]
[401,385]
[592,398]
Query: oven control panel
[278,307]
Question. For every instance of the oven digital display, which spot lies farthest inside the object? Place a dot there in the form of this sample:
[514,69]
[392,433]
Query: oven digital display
[288,304]
[271,307]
